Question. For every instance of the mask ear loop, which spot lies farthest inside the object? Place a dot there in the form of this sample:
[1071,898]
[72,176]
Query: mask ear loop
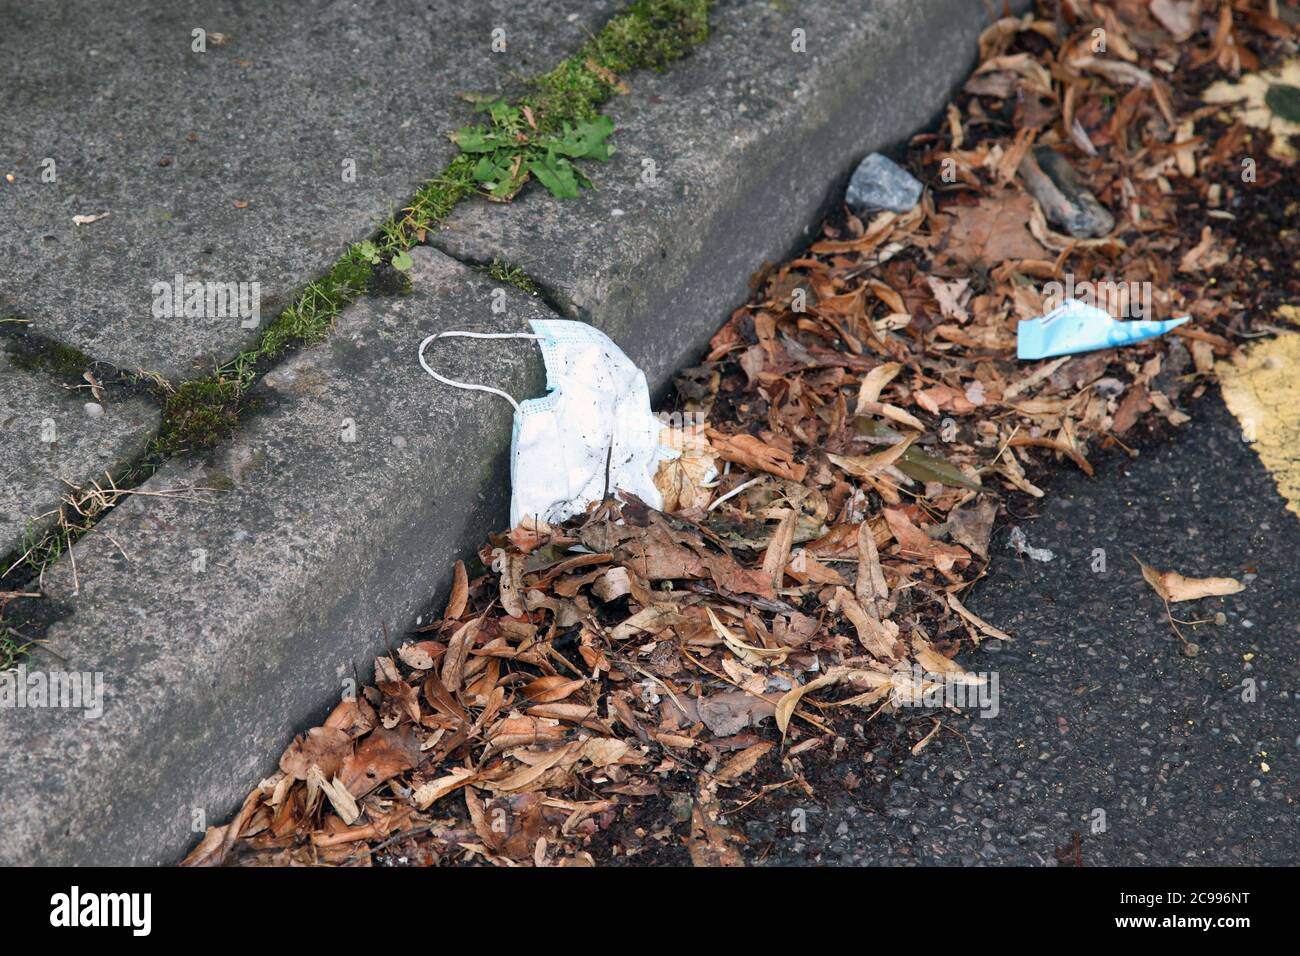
[472,335]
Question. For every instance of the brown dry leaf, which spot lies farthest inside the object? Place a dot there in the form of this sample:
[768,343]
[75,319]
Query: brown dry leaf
[728,713]
[972,525]
[993,231]
[806,569]
[459,593]
[550,690]
[354,716]
[604,751]
[790,700]
[527,777]
[650,620]
[878,637]
[511,586]
[711,844]
[754,656]
[925,741]
[420,655]
[608,76]
[870,588]
[743,762]
[429,793]
[344,804]
[748,451]
[981,626]
[382,755]
[322,747]
[683,480]
[1206,256]
[1174,587]
[935,663]
[453,662]
[915,543]
[875,381]
[777,555]
[870,466]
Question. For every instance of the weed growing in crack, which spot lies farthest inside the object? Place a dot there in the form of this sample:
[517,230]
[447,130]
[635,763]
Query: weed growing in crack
[559,121]
[201,412]
[12,647]
[513,275]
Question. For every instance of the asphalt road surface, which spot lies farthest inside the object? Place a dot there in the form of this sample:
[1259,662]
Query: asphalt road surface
[1106,729]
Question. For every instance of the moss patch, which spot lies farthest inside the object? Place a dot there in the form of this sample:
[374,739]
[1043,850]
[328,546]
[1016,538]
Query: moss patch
[33,353]
[649,36]
[513,275]
[199,414]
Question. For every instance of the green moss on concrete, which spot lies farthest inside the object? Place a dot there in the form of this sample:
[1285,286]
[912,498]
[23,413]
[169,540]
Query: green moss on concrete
[35,354]
[513,275]
[649,36]
[199,414]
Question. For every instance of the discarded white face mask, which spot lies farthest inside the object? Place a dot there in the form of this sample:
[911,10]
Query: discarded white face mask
[1074,327]
[591,434]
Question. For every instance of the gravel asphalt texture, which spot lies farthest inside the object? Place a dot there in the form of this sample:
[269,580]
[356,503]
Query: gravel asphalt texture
[1100,709]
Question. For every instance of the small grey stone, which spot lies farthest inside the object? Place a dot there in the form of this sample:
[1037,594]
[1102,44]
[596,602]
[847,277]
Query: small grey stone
[880,183]
[93,409]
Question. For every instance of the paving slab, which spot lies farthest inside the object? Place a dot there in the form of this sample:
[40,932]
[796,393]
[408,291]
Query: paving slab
[170,143]
[727,161]
[51,439]
[223,621]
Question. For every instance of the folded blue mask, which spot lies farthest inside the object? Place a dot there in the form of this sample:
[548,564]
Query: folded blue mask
[1076,327]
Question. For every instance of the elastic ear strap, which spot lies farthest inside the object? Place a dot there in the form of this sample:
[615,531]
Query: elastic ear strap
[472,335]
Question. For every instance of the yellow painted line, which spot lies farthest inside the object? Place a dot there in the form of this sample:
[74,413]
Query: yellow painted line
[1264,394]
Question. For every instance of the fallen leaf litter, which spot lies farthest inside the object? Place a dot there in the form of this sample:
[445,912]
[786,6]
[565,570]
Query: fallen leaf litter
[870,423]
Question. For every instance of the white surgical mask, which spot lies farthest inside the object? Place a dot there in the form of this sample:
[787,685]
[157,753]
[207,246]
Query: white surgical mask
[591,434]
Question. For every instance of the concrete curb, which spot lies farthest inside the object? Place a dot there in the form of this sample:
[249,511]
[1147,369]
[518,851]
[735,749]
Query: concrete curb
[224,620]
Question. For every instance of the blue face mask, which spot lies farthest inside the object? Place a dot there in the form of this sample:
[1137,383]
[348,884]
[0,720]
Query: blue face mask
[593,432]
[1076,327]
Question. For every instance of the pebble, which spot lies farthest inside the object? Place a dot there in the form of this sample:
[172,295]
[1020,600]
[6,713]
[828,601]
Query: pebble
[94,409]
[880,183]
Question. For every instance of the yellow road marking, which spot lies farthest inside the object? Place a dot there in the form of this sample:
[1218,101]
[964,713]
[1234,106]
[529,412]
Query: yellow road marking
[1264,394]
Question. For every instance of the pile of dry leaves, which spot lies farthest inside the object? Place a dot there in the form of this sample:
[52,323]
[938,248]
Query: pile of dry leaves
[853,434]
